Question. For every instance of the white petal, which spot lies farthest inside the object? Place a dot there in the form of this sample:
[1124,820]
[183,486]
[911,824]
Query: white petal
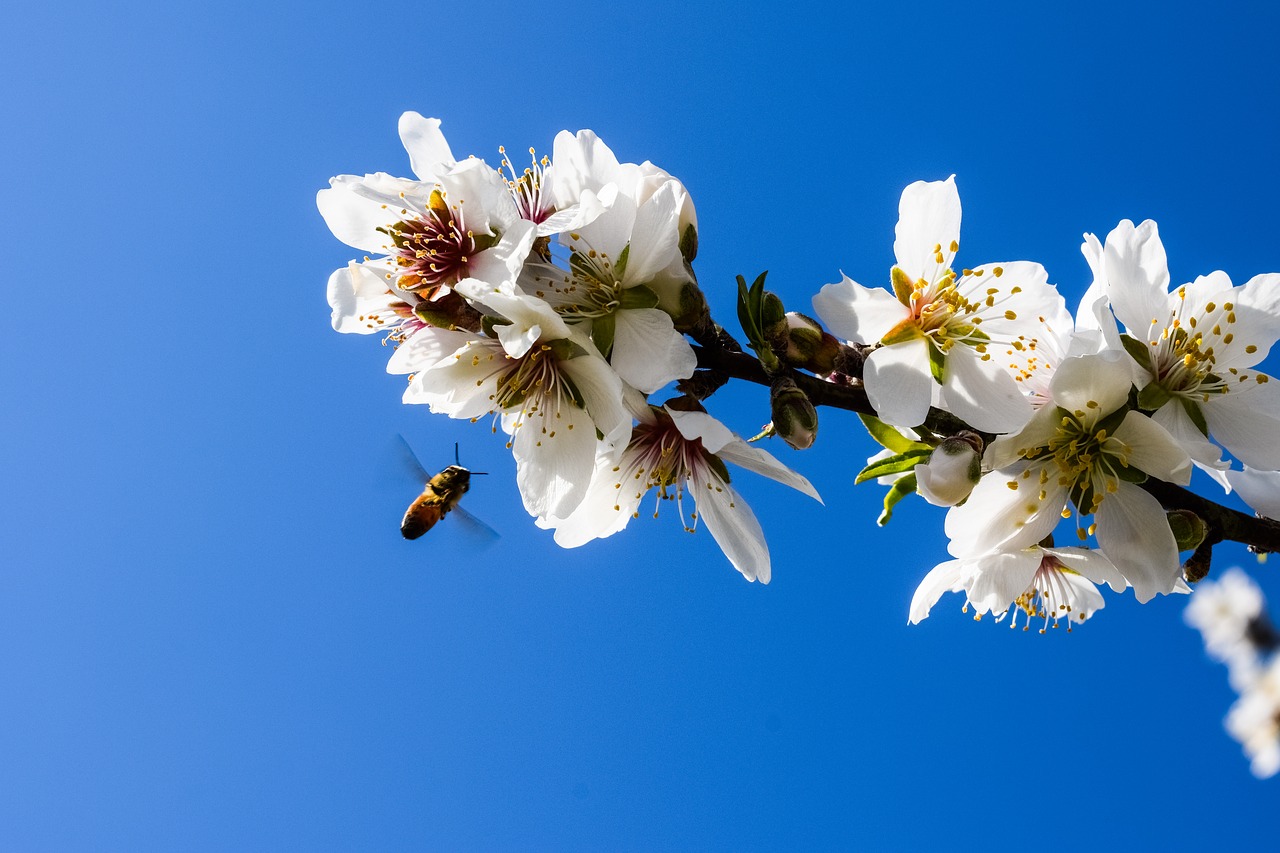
[1259,489]
[859,314]
[1150,448]
[555,452]
[1093,386]
[733,525]
[928,218]
[999,579]
[608,506]
[648,352]
[654,238]
[1134,534]
[355,208]
[426,145]
[982,393]
[898,382]
[1246,421]
[998,518]
[944,577]
[1207,455]
[761,462]
[1092,564]
[603,395]
[426,348]
[1137,276]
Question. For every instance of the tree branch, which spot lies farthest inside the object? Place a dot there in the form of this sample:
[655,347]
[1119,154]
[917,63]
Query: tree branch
[1225,524]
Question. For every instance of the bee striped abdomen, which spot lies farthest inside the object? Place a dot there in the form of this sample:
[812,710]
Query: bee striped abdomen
[440,495]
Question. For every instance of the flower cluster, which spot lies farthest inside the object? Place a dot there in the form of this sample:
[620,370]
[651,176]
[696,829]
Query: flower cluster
[1231,617]
[553,300]
[1078,412]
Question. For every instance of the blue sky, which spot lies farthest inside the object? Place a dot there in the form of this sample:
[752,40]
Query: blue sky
[211,633]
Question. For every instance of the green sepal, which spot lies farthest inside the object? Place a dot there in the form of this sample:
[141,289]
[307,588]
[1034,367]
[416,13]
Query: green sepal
[489,321]
[905,331]
[1196,414]
[905,486]
[620,265]
[603,329]
[898,464]
[1153,396]
[637,297]
[902,285]
[888,437]
[1111,422]
[564,349]
[1139,351]
[937,363]
[574,393]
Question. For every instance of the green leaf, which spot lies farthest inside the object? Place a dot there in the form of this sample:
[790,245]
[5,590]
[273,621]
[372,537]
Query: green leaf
[1139,351]
[564,349]
[1196,414]
[750,326]
[888,437]
[899,464]
[902,488]
[638,296]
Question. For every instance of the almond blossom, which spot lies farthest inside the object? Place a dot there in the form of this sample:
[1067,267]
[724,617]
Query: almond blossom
[1196,348]
[617,264]
[1046,583]
[549,387]
[675,451]
[1087,449]
[937,332]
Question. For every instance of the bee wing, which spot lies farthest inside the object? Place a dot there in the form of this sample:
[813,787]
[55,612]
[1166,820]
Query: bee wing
[409,461]
[474,528]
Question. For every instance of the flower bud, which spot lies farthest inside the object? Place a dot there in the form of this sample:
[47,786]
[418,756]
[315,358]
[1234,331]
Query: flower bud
[450,311]
[1188,528]
[773,322]
[794,416]
[693,308]
[952,471]
[808,346]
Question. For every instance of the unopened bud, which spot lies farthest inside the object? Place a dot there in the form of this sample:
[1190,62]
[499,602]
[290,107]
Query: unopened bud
[773,322]
[808,346]
[693,308]
[794,416]
[953,469]
[1188,528]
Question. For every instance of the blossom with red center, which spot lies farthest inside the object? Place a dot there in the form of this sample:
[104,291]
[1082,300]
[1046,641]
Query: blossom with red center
[673,452]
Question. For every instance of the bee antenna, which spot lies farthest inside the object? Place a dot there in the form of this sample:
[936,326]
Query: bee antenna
[456,460]
[479,473]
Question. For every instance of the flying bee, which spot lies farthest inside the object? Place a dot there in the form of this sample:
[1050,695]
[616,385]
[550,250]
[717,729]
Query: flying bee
[440,495]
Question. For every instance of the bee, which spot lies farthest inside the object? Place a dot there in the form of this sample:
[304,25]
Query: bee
[439,496]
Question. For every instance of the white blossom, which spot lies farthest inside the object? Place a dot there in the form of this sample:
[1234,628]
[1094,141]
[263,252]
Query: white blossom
[940,334]
[1045,583]
[673,451]
[1254,720]
[1086,449]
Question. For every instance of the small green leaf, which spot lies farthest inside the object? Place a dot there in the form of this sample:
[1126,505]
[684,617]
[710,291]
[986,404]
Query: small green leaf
[1153,397]
[638,296]
[902,488]
[750,327]
[888,437]
[1139,351]
[899,464]
[1130,474]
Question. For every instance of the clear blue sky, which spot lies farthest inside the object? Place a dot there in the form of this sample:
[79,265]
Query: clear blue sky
[211,634]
